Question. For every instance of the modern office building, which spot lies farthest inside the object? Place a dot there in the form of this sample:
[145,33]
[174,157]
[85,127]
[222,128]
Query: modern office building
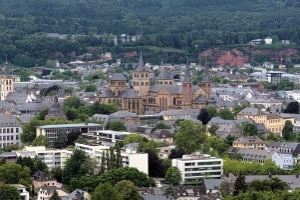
[52,131]
[194,168]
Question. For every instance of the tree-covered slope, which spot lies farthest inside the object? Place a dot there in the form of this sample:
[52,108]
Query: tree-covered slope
[179,24]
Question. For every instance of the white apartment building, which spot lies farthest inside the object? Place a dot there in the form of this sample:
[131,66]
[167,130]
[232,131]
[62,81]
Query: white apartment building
[130,156]
[109,137]
[10,130]
[52,131]
[52,157]
[194,168]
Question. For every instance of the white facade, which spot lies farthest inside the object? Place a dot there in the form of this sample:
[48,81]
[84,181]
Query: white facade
[52,157]
[130,157]
[109,138]
[10,130]
[23,192]
[52,131]
[194,168]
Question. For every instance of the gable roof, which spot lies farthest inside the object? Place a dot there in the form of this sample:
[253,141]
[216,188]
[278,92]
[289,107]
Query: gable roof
[118,77]
[251,111]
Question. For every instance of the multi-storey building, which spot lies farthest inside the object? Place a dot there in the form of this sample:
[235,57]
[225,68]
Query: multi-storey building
[249,142]
[10,130]
[130,156]
[109,137]
[194,168]
[272,121]
[52,131]
[52,157]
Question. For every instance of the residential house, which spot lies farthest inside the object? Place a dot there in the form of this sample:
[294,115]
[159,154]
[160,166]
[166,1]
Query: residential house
[161,135]
[78,195]
[284,161]
[46,192]
[228,129]
[249,142]
[41,178]
[23,192]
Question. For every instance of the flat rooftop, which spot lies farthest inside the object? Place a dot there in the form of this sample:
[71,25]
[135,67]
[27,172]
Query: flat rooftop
[81,125]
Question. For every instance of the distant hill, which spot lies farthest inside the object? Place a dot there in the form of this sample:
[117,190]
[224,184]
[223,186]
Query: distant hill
[190,25]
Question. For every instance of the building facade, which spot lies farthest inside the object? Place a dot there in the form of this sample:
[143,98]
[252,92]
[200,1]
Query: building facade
[52,131]
[10,130]
[194,168]
[130,156]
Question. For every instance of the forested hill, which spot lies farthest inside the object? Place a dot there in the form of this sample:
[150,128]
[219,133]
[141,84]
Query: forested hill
[152,16]
[179,24]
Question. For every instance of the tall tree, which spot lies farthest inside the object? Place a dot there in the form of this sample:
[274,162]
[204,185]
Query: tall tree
[240,184]
[117,126]
[287,131]
[173,175]
[190,137]
[203,116]
[72,166]
[106,191]
[8,192]
[292,107]
[128,190]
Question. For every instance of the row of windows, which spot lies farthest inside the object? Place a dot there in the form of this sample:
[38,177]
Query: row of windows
[7,144]
[137,75]
[142,83]
[9,137]
[9,130]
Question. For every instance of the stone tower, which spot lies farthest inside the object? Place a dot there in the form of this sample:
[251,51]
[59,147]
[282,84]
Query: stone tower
[141,79]
[206,84]
[6,83]
[187,89]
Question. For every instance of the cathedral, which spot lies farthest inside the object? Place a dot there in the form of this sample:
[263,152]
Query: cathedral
[165,94]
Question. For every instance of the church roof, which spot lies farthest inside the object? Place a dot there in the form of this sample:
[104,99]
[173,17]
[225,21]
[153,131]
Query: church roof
[172,89]
[165,74]
[128,94]
[206,77]
[118,77]
[200,98]
[107,93]
[187,77]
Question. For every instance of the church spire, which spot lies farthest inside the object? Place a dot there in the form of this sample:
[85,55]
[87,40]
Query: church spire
[141,66]
[206,77]
[6,70]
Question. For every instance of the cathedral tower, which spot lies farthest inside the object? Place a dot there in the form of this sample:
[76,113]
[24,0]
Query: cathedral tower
[187,89]
[206,84]
[6,83]
[141,79]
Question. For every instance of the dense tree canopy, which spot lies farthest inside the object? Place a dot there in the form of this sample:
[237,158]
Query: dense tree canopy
[191,136]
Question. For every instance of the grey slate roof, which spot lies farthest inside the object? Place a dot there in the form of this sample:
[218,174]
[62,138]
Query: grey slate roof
[122,114]
[165,74]
[118,77]
[8,121]
[255,154]
[251,111]
[16,97]
[141,65]
[128,94]
[107,93]
[172,89]
[77,195]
